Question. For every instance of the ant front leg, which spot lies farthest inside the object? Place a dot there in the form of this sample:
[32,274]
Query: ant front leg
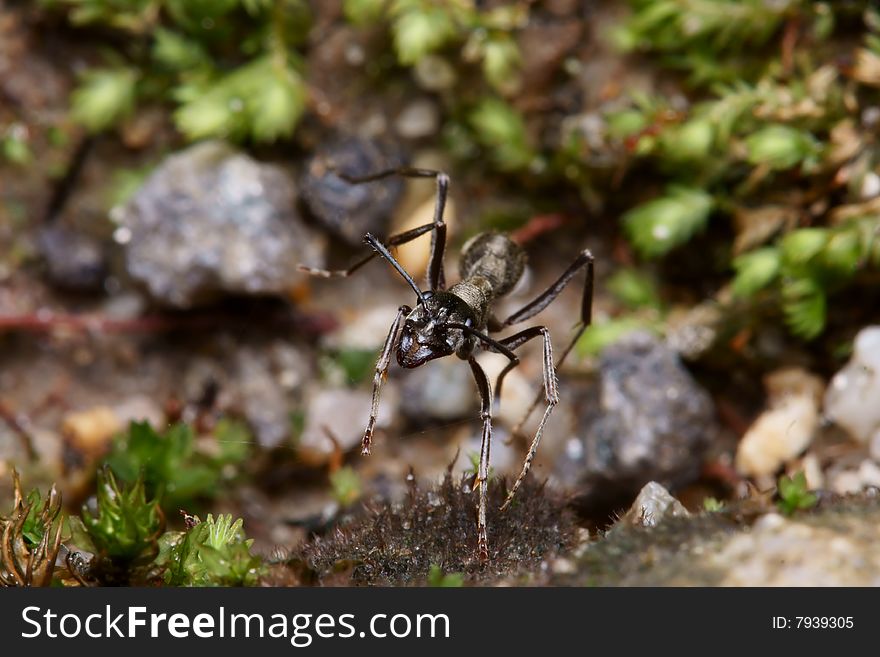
[483,469]
[381,373]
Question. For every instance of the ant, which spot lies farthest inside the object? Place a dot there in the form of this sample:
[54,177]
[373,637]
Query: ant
[455,320]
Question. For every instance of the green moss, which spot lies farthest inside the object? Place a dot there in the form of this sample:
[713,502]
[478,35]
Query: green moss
[173,469]
[215,552]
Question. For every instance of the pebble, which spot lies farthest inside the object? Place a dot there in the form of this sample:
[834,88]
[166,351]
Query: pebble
[90,430]
[74,261]
[653,505]
[441,390]
[786,428]
[351,210]
[344,413]
[652,422]
[851,398]
[418,119]
[211,221]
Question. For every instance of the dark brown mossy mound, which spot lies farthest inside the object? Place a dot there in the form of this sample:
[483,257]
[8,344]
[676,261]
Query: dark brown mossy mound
[398,544]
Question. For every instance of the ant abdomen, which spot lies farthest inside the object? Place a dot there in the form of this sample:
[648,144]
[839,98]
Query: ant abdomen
[495,257]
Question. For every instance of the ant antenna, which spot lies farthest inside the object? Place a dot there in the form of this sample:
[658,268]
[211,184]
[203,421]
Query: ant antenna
[370,239]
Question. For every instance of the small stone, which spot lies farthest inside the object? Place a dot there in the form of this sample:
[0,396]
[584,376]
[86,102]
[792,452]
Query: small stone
[74,261]
[418,119]
[212,221]
[351,210]
[653,422]
[812,469]
[874,446]
[139,408]
[266,402]
[342,413]
[869,473]
[693,332]
[851,398]
[442,390]
[845,482]
[786,429]
[433,73]
[653,505]
[90,431]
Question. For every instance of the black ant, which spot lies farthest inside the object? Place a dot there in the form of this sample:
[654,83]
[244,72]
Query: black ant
[455,320]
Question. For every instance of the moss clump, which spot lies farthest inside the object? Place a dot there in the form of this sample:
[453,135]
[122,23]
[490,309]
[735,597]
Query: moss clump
[434,530]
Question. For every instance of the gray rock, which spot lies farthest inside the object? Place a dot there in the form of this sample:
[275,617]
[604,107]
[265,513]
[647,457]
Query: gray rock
[265,405]
[213,221]
[442,390]
[652,422]
[420,118]
[74,261]
[653,505]
[350,210]
[341,413]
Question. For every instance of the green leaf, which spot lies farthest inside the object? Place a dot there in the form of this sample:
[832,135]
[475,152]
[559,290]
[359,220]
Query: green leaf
[104,97]
[215,552]
[437,578]
[277,105]
[794,494]
[125,527]
[501,62]
[625,123]
[346,485]
[804,306]
[802,245]
[691,141]
[419,30]
[842,253]
[600,335]
[501,128]
[781,147]
[177,53]
[172,469]
[364,12]
[263,99]
[15,148]
[658,226]
[634,288]
[755,270]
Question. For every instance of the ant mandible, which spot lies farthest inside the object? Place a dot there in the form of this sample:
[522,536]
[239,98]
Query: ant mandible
[456,320]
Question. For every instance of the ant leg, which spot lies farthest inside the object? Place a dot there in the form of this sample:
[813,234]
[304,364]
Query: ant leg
[483,470]
[381,373]
[436,279]
[512,343]
[394,240]
[585,259]
[551,395]
[546,297]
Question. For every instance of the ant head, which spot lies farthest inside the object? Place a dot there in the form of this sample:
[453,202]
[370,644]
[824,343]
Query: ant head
[425,334]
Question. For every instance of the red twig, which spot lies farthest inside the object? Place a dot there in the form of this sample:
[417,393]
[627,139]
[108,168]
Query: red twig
[46,322]
[537,225]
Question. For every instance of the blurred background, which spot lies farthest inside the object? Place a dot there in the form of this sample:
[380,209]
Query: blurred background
[164,169]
